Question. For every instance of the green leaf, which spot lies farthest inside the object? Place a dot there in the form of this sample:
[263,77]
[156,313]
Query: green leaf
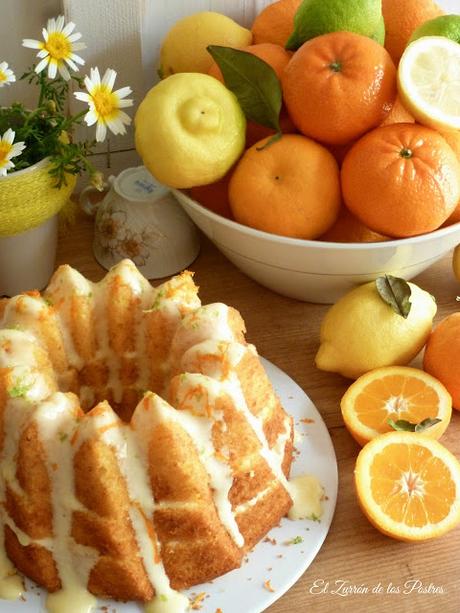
[427,423]
[253,82]
[396,292]
[407,426]
[273,139]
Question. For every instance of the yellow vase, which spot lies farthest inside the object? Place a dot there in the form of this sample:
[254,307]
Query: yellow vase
[28,198]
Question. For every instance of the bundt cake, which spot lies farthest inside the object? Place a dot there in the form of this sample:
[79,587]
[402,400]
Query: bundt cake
[142,447]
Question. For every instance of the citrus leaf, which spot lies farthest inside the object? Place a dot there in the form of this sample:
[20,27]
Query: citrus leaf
[253,82]
[275,137]
[427,423]
[402,425]
[407,426]
[396,292]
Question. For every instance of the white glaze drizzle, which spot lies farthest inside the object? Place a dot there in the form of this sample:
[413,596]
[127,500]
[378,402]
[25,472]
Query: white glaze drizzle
[104,352]
[56,421]
[130,448]
[66,283]
[17,352]
[307,493]
[200,430]
[279,448]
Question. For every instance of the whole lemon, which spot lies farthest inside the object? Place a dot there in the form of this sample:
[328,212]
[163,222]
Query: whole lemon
[184,48]
[189,130]
[362,332]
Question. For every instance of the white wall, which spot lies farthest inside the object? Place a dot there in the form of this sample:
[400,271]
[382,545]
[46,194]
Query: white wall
[22,19]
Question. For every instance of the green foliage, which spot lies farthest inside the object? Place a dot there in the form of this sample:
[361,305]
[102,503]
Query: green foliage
[253,82]
[47,129]
[395,292]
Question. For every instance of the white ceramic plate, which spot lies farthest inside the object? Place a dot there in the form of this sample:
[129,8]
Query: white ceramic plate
[277,561]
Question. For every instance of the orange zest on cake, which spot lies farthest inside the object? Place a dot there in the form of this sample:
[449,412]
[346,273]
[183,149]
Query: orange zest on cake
[142,447]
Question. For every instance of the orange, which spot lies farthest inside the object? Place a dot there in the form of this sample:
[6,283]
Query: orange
[442,355]
[453,139]
[290,187]
[408,486]
[398,114]
[402,17]
[276,22]
[274,55]
[214,196]
[338,86]
[401,180]
[394,392]
[277,57]
[348,229]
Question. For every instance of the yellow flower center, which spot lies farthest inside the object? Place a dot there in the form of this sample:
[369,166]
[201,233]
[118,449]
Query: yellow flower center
[5,148]
[2,76]
[105,102]
[58,46]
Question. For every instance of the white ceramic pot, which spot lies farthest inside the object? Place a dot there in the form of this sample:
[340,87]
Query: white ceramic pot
[316,271]
[141,220]
[27,259]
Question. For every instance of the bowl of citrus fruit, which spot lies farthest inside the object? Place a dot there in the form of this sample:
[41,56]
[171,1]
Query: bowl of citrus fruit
[318,149]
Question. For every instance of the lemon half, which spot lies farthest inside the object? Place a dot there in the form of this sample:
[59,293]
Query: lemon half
[429,81]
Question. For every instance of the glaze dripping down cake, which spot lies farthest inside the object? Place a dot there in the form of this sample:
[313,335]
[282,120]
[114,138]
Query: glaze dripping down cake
[142,447]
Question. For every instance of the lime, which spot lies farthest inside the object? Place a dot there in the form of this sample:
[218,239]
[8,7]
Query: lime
[428,78]
[379,34]
[190,130]
[445,25]
[316,17]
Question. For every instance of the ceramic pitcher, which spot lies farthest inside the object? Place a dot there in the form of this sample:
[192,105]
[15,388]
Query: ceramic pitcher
[140,219]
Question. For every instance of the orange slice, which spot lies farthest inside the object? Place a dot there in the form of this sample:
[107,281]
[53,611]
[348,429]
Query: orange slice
[408,486]
[394,392]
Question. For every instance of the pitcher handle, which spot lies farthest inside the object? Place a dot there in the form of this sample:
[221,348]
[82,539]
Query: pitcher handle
[88,205]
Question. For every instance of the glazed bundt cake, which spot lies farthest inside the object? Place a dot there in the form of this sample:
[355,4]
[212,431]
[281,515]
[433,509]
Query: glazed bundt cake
[142,447]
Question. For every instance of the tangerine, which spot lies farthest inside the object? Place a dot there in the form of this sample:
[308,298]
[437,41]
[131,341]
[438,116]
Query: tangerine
[401,180]
[338,86]
[402,17]
[276,22]
[290,187]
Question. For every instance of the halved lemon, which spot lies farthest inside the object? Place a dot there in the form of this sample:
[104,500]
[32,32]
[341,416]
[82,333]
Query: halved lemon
[429,81]
[408,486]
[394,392]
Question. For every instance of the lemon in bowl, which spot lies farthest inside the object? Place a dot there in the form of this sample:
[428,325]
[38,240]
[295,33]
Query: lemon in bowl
[189,130]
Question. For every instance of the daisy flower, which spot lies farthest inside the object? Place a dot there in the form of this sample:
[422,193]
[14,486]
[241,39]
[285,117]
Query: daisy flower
[57,48]
[6,74]
[104,104]
[8,151]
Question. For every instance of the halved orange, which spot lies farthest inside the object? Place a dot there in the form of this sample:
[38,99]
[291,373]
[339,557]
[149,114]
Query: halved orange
[408,486]
[394,392]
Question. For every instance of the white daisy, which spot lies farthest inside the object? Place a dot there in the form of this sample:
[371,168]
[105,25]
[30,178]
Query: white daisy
[6,74]
[9,150]
[104,104]
[58,48]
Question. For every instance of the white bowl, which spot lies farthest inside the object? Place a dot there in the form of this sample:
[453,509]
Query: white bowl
[316,271]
